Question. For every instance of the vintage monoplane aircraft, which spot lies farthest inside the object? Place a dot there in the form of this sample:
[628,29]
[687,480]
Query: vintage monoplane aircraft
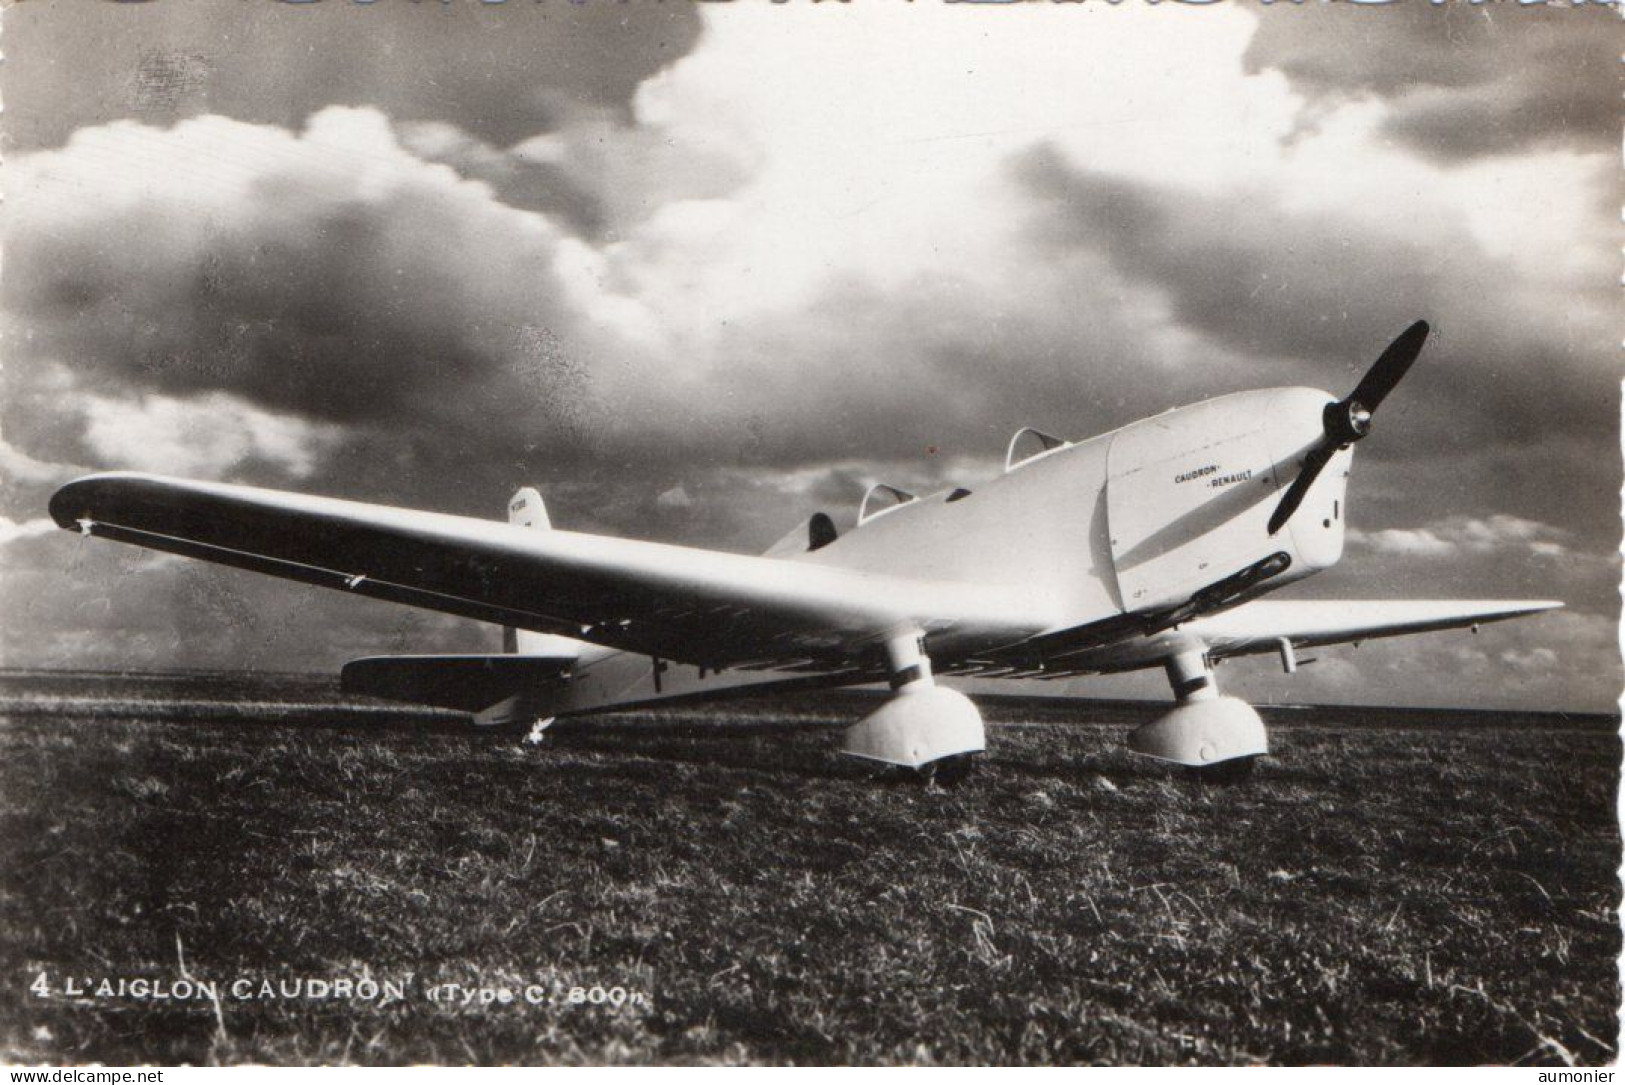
[1147,546]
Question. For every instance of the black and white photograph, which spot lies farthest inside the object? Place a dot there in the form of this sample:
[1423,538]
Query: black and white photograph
[810,532]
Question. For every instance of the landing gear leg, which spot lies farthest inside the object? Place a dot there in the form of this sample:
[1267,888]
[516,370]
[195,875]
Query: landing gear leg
[923,723]
[1191,675]
[952,771]
[1205,731]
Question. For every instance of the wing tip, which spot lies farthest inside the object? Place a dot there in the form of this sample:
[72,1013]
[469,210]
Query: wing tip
[1493,609]
[1529,606]
[76,501]
[71,501]
[1505,609]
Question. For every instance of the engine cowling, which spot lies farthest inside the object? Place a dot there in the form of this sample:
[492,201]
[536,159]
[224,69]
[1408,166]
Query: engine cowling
[1189,495]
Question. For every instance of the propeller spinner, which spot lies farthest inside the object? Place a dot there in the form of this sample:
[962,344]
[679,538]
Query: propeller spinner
[1349,419]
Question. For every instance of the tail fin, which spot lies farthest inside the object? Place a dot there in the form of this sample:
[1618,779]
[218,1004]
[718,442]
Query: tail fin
[526,509]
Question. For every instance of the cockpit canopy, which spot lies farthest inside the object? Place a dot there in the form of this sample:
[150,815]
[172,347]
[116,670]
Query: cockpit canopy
[882,499]
[1029,444]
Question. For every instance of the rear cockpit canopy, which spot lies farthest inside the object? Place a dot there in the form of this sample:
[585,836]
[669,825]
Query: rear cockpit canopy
[821,531]
[880,500]
[811,534]
[1029,444]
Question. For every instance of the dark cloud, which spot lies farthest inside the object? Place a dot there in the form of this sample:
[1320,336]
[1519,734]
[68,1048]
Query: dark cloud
[547,187]
[433,330]
[432,337]
[1460,81]
[415,306]
[503,72]
[596,174]
[1510,385]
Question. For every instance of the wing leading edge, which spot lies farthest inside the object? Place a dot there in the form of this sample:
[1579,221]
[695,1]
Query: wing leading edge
[696,606]
[1261,625]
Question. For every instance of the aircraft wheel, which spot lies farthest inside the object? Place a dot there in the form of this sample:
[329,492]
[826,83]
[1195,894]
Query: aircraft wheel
[950,771]
[1237,770]
[945,772]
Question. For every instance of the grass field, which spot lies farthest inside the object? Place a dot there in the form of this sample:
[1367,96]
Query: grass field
[1389,888]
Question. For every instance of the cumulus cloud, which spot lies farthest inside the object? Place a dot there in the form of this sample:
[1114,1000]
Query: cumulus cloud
[753,283]
[1414,542]
[675,498]
[1459,81]
[1533,659]
[11,530]
[330,277]
[1459,535]
[19,468]
[519,181]
[335,277]
[207,436]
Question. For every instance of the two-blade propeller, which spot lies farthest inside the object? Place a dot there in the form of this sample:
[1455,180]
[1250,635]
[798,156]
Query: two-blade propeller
[1349,419]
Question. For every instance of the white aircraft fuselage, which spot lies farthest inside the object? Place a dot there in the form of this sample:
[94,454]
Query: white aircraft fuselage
[1133,521]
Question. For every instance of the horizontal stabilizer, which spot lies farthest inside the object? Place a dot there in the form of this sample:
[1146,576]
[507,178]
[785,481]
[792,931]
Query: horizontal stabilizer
[463,683]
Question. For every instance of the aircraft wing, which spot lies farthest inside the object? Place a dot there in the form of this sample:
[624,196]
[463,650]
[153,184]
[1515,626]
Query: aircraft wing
[1259,626]
[689,605]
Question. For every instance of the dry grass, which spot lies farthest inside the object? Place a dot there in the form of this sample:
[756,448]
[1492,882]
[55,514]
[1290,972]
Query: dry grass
[1443,891]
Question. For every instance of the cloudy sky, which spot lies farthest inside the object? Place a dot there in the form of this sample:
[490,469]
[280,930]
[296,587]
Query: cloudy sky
[697,270]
